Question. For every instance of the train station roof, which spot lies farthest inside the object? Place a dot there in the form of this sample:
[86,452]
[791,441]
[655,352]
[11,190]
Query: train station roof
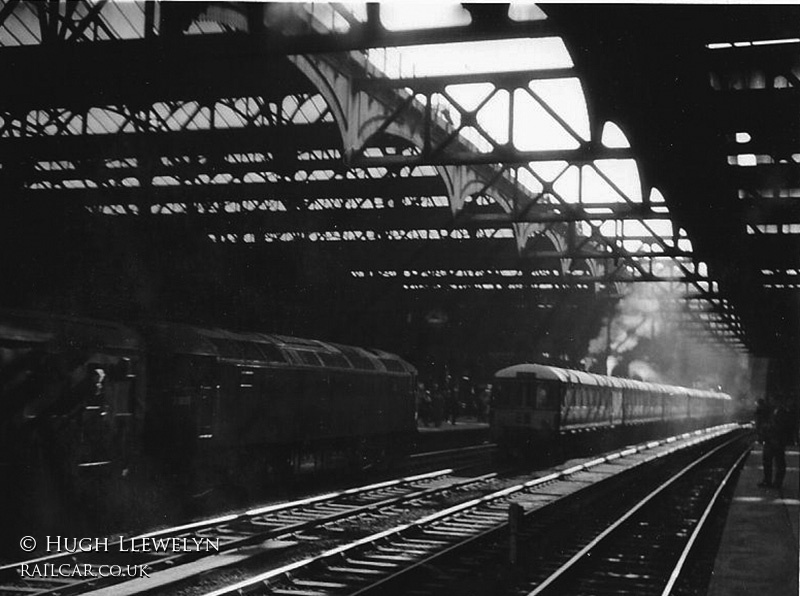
[564,152]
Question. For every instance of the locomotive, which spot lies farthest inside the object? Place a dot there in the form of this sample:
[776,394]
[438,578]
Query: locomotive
[539,409]
[89,406]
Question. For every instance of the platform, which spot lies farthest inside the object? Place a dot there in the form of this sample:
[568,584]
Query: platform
[461,424]
[466,431]
[759,551]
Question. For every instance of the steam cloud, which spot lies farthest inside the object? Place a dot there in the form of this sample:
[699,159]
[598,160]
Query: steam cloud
[646,338]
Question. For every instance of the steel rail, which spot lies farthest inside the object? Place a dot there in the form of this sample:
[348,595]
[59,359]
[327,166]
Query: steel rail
[227,522]
[445,539]
[700,526]
[224,527]
[611,529]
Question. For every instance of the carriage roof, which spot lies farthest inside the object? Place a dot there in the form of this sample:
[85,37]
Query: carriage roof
[575,377]
[266,348]
[55,331]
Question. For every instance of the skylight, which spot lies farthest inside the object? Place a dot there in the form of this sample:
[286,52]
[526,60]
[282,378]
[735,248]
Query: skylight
[500,55]
[746,44]
[400,16]
[613,137]
[525,11]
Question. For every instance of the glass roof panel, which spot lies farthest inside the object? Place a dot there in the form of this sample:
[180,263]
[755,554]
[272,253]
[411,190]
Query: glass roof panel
[613,137]
[470,95]
[567,185]
[656,196]
[397,16]
[536,129]
[548,170]
[525,11]
[624,174]
[661,227]
[500,55]
[566,98]
[488,118]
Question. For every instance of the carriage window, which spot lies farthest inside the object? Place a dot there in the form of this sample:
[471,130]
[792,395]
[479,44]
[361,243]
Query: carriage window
[541,396]
[227,348]
[333,360]
[358,359]
[546,396]
[270,353]
[308,357]
[392,365]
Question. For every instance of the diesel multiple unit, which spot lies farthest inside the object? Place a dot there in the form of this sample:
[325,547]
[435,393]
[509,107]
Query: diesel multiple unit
[535,406]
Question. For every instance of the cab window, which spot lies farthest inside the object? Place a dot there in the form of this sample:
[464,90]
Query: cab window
[508,394]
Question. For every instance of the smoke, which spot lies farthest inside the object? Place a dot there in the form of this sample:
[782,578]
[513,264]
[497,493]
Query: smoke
[638,315]
[652,335]
[642,371]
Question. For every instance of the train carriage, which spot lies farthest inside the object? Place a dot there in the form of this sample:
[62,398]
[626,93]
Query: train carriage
[88,403]
[69,387]
[72,405]
[535,407]
[254,402]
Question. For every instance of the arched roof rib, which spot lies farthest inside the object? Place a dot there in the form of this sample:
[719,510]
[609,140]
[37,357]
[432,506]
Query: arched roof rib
[534,209]
[218,51]
[426,87]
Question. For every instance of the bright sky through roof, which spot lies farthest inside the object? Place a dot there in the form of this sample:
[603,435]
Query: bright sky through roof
[534,126]
[506,55]
[500,55]
[396,16]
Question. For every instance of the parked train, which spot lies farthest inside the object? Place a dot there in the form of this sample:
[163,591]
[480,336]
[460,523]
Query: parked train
[87,402]
[542,408]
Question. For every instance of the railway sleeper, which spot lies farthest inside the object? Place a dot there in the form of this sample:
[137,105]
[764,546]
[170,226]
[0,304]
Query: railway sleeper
[327,585]
[357,571]
[396,558]
[370,563]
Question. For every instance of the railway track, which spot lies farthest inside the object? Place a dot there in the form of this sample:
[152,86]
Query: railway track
[424,556]
[420,556]
[647,548]
[177,546]
[462,457]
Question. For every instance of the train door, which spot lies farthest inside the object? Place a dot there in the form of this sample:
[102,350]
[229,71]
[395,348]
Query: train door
[617,413]
[91,418]
[507,401]
[547,405]
[325,405]
[107,425]
[206,405]
[568,406]
[184,408]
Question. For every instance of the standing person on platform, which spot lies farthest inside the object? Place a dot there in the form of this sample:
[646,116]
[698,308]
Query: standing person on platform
[424,405]
[451,403]
[483,402]
[774,427]
[761,419]
[466,396]
[437,405]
